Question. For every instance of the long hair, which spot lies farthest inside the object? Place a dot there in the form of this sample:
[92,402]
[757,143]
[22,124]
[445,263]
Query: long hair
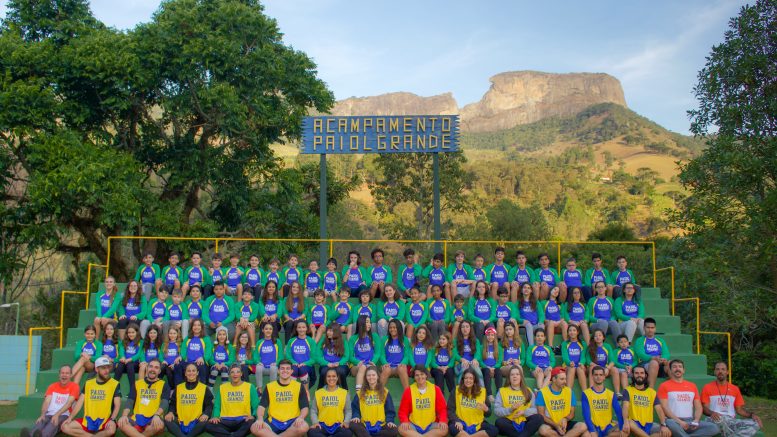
[113,291]
[335,346]
[470,392]
[115,337]
[275,295]
[202,327]
[592,347]
[449,348]
[290,299]
[136,328]
[379,389]
[485,296]
[138,294]
[157,343]
[249,347]
[634,296]
[527,395]
[571,299]
[427,343]
[178,340]
[532,297]
[460,337]
[485,344]
[517,342]
[297,323]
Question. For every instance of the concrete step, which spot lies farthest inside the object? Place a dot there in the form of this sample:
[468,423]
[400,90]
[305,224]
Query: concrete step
[650,293]
[656,307]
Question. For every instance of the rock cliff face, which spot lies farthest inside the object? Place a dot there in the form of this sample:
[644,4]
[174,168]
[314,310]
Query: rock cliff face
[514,98]
[527,96]
[397,104]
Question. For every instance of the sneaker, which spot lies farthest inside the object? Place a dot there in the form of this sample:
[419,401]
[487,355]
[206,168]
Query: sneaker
[557,350]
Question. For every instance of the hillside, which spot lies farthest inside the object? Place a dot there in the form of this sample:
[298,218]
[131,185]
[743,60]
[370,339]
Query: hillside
[604,164]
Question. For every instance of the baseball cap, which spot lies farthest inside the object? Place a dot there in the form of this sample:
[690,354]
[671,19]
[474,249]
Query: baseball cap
[556,371]
[490,330]
[102,361]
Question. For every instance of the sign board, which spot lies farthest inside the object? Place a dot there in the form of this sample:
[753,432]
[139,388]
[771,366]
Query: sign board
[380,134]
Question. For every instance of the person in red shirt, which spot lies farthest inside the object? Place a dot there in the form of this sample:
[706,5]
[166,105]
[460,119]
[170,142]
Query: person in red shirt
[56,405]
[423,410]
[682,405]
[722,401]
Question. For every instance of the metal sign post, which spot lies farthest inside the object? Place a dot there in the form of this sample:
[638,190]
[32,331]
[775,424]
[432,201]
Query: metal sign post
[326,135]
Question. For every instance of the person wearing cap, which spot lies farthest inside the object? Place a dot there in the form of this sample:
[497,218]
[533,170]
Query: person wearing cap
[101,402]
[56,405]
[468,407]
[191,406]
[233,406]
[556,404]
[147,406]
[600,404]
[423,410]
[286,403]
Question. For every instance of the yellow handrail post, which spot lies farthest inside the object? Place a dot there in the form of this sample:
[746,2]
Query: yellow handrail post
[558,255]
[654,264]
[62,313]
[728,343]
[445,252]
[331,248]
[89,281]
[217,246]
[29,353]
[108,258]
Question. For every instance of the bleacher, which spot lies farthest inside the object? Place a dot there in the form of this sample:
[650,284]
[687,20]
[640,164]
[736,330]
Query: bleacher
[668,326]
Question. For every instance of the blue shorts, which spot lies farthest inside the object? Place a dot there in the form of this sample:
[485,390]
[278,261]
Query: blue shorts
[422,430]
[647,428]
[601,432]
[278,427]
[469,429]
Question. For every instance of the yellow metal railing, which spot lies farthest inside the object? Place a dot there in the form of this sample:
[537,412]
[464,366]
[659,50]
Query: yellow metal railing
[671,269]
[29,352]
[89,279]
[728,340]
[698,317]
[62,312]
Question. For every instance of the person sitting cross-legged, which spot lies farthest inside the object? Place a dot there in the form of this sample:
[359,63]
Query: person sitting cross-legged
[423,410]
[286,404]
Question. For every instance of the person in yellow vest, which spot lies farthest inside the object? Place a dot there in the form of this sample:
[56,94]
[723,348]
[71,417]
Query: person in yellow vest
[512,406]
[233,406]
[147,405]
[556,404]
[286,403]
[191,405]
[372,408]
[101,402]
[600,404]
[423,410]
[330,408]
[468,408]
[639,403]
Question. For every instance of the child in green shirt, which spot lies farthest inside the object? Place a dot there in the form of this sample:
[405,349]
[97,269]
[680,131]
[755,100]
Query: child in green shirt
[378,274]
[149,275]
[246,313]
[409,273]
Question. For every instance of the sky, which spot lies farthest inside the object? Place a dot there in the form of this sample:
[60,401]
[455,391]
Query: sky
[430,47]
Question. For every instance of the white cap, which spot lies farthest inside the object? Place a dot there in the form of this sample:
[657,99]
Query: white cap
[102,361]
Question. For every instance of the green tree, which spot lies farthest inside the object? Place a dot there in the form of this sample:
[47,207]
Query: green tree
[613,232]
[164,129]
[730,216]
[511,222]
[407,181]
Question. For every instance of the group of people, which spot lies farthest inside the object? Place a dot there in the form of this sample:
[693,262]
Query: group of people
[455,323]
[284,407]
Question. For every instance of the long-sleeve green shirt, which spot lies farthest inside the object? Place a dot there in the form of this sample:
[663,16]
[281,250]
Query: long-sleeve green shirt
[477,308]
[325,355]
[381,273]
[498,356]
[210,302]
[357,351]
[623,307]
[107,306]
[385,352]
[96,349]
[391,310]
[148,274]
[416,313]
[312,357]
[407,276]
[647,348]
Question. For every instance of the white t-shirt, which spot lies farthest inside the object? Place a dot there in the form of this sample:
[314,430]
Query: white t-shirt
[680,396]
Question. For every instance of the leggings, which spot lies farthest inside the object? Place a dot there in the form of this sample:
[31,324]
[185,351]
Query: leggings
[321,432]
[305,373]
[130,369]
[445,379]
[487,377]
[174,428]
[214,373]
[530,426]
[359,430]
[229,428]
